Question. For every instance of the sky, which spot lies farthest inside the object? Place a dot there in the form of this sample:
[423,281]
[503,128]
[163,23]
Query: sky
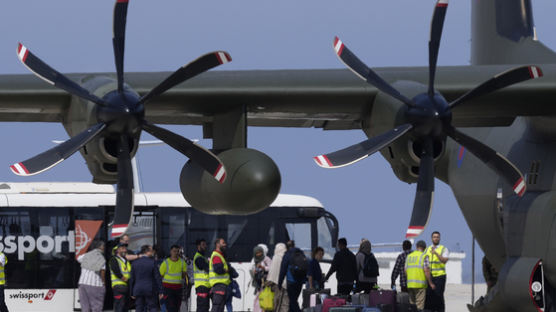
[369,201]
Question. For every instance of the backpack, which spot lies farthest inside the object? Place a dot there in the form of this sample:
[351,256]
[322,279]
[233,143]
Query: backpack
[299,265]
[370,266]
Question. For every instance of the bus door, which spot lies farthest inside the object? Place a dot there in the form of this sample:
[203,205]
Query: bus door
[142,231]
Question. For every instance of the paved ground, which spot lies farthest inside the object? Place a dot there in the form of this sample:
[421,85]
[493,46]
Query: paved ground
[458,296]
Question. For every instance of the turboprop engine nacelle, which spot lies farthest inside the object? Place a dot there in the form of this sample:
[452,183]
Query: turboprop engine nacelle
[404,153]
[252,183]
[100,153]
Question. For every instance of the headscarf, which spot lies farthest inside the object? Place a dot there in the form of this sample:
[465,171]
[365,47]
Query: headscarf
[365,246]
[258,249]
[274,272]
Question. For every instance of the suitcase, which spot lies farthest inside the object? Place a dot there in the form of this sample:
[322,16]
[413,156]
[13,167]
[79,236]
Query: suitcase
[402,302]
[383,299]
[386,307]
[360,298]
[368,309]
[312,297]
[346,308]
[317,308]
[332,302]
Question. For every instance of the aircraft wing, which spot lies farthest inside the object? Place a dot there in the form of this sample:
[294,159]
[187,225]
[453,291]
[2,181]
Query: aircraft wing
[332,99]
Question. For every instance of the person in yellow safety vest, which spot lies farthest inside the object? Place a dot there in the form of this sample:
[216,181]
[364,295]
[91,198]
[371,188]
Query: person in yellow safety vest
[174,277]
[219,275]
[3,262]
[438,256]
[120,271]
[124,239]
[201,276]
[417,270]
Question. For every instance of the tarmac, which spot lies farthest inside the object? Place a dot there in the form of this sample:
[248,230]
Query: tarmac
[457,296]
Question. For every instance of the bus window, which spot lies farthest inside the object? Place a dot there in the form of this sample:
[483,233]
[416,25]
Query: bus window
[141,230]
[325,238]
[38,244]
[301,234]
[172,228]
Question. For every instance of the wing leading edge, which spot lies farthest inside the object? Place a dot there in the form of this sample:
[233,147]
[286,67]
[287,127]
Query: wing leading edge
[329,98]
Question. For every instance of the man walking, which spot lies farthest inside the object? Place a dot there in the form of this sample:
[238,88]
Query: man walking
[145,282]
[201,276]
[291,268]
[438,256]
[345,266]
[174,276]
[219,275]
[399,267]
[120,271]
[91,280]
[3,262]
[418,276]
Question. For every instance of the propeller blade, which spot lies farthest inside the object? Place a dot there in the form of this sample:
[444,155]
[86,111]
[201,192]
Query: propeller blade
[434,44]
[359,151]
[425,191]
[200,155]
[118,39]
[124,195]
[50,75]
[198,66]
[500,81]
[497,162]
[364,72]
[57,154]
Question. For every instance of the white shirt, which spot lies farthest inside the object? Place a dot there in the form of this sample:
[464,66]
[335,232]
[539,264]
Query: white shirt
[2,259]
[88,277]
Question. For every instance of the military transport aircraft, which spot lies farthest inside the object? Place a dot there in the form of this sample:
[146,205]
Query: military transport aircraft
[477,128]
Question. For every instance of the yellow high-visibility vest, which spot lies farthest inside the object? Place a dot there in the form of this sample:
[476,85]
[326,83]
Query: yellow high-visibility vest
[437,267]
[415,270]
[201,277]
[172,271]
[2,273]
[125,268]
[215,278]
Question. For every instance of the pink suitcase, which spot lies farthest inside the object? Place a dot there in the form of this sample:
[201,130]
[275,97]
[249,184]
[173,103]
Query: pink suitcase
[332,302]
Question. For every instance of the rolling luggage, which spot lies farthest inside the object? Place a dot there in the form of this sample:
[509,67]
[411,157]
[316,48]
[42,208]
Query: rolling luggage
[332,302]
[312,297]
[368,309]
[347,308]
[360,298]
[402,302]
[383,299]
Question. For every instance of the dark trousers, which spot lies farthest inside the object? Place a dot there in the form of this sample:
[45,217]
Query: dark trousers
[218,292]
[434,301]
[3,307]
[120,298]
[344,289]
[173,299]
[294,289]
[203,298]
[146,303]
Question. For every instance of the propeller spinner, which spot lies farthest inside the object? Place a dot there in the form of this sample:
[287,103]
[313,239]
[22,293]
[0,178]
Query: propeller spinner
[120,115]
[429,117]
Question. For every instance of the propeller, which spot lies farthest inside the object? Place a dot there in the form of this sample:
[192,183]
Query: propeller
[120,115]
[429,117]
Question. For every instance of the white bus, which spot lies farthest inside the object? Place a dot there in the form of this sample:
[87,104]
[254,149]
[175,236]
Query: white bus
[43,226]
